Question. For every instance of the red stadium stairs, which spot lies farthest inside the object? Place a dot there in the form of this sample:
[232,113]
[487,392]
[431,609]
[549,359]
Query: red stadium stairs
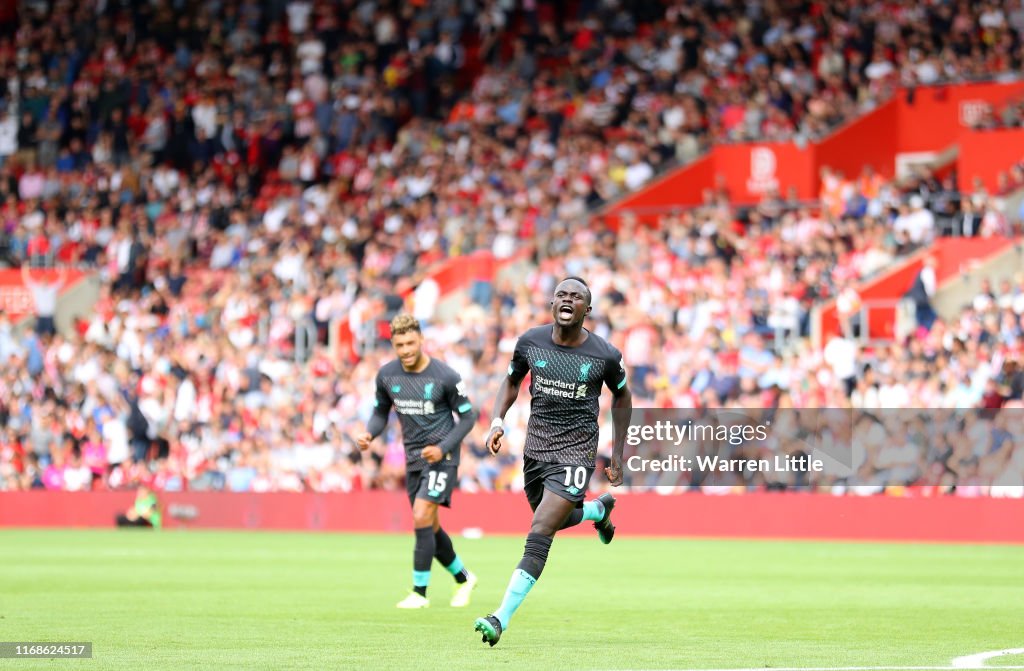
[962,265]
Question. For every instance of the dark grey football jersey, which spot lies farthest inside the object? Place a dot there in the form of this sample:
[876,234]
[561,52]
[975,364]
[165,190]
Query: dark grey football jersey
[424,403]
[566,386]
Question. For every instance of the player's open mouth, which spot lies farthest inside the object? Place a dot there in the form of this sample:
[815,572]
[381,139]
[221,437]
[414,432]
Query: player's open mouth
[565,310]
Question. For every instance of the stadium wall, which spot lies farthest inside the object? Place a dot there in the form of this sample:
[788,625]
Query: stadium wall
[926,121]
[984,154]
[873,140]
[756,515]
[750,171]
[931,118]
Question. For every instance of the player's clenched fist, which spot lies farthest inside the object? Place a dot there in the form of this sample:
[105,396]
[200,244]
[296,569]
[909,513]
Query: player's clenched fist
[363,440]
[494,439]
[614,473]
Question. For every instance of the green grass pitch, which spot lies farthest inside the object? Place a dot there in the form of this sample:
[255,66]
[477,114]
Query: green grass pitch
[276,601]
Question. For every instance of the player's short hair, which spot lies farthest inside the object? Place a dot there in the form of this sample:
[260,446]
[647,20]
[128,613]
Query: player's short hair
[582,281]
[404,323]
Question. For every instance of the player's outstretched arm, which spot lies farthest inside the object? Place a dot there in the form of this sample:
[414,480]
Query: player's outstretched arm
[622,410]
[508,392]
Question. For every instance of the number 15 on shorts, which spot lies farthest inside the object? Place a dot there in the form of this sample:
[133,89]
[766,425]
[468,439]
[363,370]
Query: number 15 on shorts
[437,480]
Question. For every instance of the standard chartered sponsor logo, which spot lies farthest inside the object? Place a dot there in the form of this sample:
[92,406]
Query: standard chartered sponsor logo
[407,407]
[555,383]
[560,388]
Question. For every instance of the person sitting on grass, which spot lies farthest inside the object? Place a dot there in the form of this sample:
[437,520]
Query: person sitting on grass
[145,512]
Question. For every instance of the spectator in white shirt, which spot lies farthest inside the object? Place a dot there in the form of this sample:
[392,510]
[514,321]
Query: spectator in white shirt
[8,136]
[841,356]
[918,224]
[45,295]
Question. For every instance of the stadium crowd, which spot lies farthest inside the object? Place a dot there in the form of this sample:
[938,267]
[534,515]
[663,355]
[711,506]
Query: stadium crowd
[233,169]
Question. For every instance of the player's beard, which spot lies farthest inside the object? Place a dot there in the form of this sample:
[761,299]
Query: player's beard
[414,363]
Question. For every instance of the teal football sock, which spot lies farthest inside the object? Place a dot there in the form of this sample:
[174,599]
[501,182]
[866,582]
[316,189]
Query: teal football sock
[456,567]
[518,587]
[535,555]
[593,511]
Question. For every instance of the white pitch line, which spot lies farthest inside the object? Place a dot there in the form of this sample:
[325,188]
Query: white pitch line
[977,661]
[847,668]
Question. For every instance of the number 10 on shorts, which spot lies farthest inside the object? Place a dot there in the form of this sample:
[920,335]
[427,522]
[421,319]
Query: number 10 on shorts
[575,476]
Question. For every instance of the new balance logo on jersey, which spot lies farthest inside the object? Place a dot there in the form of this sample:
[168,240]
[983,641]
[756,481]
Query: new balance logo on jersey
[397,388]
[541,364]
